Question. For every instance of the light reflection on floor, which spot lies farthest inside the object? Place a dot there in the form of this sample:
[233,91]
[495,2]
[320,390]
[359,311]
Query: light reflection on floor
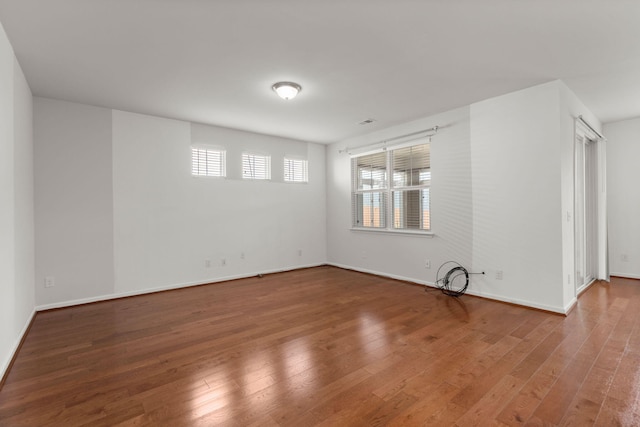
[299,366]
[203,402]
[293,369]
[372,333]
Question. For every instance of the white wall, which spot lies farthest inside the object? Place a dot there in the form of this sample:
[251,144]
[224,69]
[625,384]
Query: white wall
[404,256]
[502,184]
[24,235]
[7,251]
[517,216]
[623,179]
[118,212]
[73,200]
[16,204]
[168,223]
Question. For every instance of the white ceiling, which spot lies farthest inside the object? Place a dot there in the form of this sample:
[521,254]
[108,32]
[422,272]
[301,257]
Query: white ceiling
[214,61]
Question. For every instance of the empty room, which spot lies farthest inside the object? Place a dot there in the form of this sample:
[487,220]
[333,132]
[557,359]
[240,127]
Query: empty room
[319,213]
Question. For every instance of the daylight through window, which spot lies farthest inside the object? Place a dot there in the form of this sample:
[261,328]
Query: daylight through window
[255,166]
[206,162]
[391,189]
[296,170]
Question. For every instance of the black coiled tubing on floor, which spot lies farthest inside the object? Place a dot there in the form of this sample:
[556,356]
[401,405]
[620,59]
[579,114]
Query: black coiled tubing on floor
[455,281]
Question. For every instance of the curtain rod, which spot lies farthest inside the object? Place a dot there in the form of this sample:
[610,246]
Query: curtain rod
[385,141]
[591,127]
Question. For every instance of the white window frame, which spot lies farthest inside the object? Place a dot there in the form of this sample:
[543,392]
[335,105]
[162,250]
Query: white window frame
[251,170]
[204,163]
[296,170]
[385,195]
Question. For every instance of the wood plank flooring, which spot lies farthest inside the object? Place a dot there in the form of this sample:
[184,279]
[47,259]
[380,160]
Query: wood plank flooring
[329,347]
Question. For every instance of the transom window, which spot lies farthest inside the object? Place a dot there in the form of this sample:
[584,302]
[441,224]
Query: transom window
[296,170]
[208,162]
[256,166]
[391,189]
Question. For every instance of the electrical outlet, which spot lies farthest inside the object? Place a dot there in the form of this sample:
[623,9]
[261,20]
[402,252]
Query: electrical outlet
[499,275]
[207,263]
[427,264]
[624,258]
[49,282]
[299,252]
[241,255]
[223,262]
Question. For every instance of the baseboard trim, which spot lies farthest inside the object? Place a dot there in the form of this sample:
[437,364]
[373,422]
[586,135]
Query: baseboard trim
[515,301]
[118,295]
[572,304]
[552,309]
[625,275]
[381,274]
[8,363]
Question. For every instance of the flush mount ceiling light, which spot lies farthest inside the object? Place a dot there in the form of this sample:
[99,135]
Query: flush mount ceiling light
[286,90]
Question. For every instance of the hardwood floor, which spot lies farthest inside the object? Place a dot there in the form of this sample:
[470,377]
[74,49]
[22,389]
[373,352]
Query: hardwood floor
[329,347]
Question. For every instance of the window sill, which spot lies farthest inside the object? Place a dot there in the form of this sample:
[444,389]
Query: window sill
[429,234]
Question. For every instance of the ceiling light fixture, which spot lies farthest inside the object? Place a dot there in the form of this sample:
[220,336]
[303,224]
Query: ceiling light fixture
[286,90]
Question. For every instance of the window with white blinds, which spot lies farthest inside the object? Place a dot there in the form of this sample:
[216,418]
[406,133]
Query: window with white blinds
[369,203]
[391,189]
[256,166]
[207,162]
[296,170]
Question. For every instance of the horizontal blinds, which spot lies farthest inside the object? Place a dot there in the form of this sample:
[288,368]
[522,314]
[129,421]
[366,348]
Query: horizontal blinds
[411,209]
[370,171]
[255,166]
[411,166]
[205,162]
[296,170]
[369,209]
[393,185]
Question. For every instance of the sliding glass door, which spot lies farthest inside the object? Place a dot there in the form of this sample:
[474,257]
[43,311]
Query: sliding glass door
[586,211]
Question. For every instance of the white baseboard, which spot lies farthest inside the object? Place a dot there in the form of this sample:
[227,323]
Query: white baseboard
[553,309]
[117,295]
[570,306]
[559,310]
[625,275]
[378,273]
[16,345]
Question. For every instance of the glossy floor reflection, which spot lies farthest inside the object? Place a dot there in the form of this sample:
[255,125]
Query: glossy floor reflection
[325,346]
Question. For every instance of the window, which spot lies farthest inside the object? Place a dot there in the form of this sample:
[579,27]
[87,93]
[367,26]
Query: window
[296,170]
[255,166]
[369,199]
[411,182]
[391,189]
[206,162]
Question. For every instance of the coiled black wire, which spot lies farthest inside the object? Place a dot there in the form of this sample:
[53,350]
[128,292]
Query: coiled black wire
[452,283]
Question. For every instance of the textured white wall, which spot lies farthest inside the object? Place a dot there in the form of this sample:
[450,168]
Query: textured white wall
[623,179]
